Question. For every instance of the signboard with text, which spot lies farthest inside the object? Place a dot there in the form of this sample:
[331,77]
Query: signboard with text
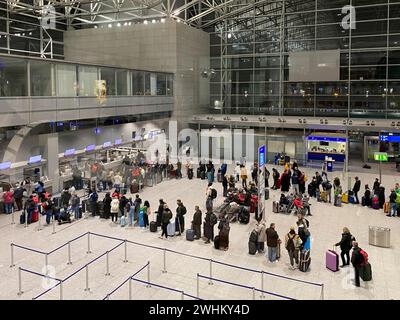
[261,181]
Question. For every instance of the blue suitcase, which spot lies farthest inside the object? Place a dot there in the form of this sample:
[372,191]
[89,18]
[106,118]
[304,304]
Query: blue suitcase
[141,219]
[190,235]
[171,229]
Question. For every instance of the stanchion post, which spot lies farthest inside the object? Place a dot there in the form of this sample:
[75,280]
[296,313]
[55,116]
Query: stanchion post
[20,292]
[165,261]
[69,254]
[130,288]
[54,224]
[87,278]
[40,224]
[254,293]
[322,292]
[26,219]
[262,285]
[126,251]
[182,295]
[107,264]
[210,280]
[61,290]
[88,244]
[12,217]
[46,260]
[148,275]
[198,286]
[12,256]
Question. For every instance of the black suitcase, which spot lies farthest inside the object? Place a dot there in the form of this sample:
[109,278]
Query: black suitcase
[252,248]
[305,260]
[190,174]
[216,242]
[80,213]
[153,226]
[363,202]
[202,175]
[100,209]
[134,187]
[22,218]
[198,173]
[84,205]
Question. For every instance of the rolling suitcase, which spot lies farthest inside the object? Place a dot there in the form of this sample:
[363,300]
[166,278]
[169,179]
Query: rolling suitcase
[202,175]
[216,242]
[153,226]
[338,200]
[84,205]
[366,272]
[252,248]
[141,219]
[332,260]
[305,260]
[134,187]
[363,202]
[190,174]
[190,235]
[22,218]
[198,172]
[275,207]
[386,207]
[171,229]
[278,251]
[219,177]
[100,209]
[35,216]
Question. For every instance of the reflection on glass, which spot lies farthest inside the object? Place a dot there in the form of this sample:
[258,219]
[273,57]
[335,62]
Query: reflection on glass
[42,78]
[13,79]
[87,81]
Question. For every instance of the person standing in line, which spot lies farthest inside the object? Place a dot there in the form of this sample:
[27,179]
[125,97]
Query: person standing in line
[18,195]
[237,172]
[293,244]
[356,189]
[166,217]
[209,195]
[345,244]
[357,261]
[196,223]
[225,185]
[114,209]
[375,187]
[275,176]
[295,181]
[180,219]
[8,198]
[209,222]
[130,209]
[254,173]
[393,205]
[327,187]
[75,203]
[272,242]
[146,213]
[137,204]
[93,201]
[262,235]
[267,174]
[107,205]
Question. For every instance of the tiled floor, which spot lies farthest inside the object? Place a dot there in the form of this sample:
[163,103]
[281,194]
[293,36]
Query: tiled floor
[326,226]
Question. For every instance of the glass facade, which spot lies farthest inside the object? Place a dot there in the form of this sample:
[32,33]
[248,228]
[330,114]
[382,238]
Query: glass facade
[45,79]
[254,55]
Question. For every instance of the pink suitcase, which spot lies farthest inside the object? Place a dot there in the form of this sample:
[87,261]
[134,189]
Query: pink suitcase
[332,260]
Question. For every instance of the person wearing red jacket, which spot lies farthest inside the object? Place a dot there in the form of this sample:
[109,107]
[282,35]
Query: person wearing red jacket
[8,198]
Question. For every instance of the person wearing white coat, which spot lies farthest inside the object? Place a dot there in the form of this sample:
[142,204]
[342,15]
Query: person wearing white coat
[114,209]
[261,227]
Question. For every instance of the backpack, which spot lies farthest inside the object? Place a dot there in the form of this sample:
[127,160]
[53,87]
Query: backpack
[213,219]
[114,206]
[253,236]
[364,257]
[290,244]
[213,193]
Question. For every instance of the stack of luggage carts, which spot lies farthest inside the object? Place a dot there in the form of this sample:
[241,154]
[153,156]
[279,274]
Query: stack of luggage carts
[236,207]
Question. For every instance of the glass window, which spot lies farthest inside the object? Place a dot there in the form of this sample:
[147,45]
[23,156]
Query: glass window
[150,84]
[87,81]
[170,85]
[161,84]
[147,86]
[122,82]
[42,79]
[108,74]
[13,77]
[137,83]
[66,80]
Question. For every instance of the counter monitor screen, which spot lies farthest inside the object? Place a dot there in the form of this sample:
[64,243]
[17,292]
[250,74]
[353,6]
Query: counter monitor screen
[107,144]
[35,159]
[69,152]
[5,165]
[90,147]
[118,141]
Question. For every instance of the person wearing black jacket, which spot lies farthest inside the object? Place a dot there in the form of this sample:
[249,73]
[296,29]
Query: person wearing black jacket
[166,217]
[393,205]
[367,196]
[345,244]
[275,176]
[318,178]
[376,186]
[357,260]
[160,212]
[18,195]
[225,185]
[137,204]
[381,196]
[180,219]
[107,205]
[356,189]
[196,223]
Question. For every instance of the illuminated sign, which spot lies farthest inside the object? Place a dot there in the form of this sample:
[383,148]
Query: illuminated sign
[5,165]
[118,141]
[69,152]
[381,156]
[35,159]
[90,147]
[107,144]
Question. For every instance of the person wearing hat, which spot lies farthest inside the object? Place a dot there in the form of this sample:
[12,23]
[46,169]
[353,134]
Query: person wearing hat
[293,244]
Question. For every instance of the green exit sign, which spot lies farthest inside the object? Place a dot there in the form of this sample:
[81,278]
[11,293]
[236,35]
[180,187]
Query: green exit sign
[381,156]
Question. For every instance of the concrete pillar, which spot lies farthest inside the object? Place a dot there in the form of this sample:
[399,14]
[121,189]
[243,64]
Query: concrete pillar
[50,143]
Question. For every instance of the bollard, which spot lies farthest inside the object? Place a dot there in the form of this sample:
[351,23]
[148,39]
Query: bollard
[210,280]
[87,278]
[12,218]
[198,288]
[26,219]
[88,244]
[54,225]
[165,261]
[182,295]
[69,254]
[254,293]
[12,256]
[61,290]
[20,292]
[40,224]
[148,275]
[262,285]
[107,264]
[130,288]
[126,251]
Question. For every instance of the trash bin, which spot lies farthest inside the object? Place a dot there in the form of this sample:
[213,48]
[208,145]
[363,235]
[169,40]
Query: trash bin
[379,236]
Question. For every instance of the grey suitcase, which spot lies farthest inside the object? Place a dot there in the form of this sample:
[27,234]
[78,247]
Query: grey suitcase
[190,235]
[266,194]
[275,207]
[305,260]
[252,247]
